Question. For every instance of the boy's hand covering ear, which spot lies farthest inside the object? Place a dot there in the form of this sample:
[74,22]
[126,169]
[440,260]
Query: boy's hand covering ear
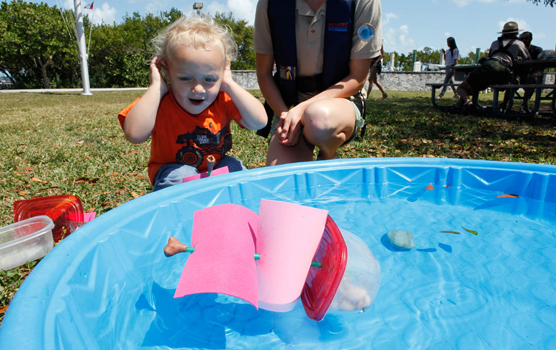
[157,67]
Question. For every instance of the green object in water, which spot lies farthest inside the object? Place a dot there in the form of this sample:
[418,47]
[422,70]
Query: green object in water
[470,231]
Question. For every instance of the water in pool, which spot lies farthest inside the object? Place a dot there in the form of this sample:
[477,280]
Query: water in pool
[453,291]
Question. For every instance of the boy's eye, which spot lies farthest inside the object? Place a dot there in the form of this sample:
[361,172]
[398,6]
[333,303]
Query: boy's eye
[211,80]
[185,79]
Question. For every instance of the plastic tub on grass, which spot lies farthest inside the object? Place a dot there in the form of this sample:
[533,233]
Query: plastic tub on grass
[25,241]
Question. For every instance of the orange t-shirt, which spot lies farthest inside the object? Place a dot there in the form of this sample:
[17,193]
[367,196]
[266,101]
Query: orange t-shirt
[180,137]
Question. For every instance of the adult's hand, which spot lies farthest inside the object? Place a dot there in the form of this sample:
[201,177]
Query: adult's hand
[290,128]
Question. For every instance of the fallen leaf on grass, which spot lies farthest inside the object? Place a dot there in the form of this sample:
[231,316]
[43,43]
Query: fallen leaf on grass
[85,179]
[135,195]
[507,196]
[38,180]
[470,231]
[4,308]
[23,193]
[141,177]
[454,232]
[80,142]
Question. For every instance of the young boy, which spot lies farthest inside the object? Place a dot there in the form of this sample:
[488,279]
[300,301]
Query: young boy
[189,116]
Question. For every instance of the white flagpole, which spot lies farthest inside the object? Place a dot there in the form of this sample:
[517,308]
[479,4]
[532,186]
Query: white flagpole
[82,47]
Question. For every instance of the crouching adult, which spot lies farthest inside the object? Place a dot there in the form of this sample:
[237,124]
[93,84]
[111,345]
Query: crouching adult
[323,51]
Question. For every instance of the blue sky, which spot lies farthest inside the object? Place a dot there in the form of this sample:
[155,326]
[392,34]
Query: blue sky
[407,24]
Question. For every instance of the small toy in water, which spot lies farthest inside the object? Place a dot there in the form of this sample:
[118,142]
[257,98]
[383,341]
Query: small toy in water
[401,239]
[174,247]
[239,253]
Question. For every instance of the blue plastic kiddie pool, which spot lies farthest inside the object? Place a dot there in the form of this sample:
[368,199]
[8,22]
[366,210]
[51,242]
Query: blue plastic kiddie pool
[109,285]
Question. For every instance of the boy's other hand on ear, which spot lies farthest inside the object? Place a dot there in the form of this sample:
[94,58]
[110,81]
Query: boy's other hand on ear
[227,79]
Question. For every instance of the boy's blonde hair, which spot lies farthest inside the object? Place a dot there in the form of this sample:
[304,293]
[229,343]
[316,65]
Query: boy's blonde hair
[199,32]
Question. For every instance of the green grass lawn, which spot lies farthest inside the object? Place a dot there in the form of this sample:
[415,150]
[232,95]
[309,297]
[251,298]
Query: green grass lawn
[71,144]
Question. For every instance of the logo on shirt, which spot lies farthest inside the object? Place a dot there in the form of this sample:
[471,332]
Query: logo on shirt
[338,27]
[202,142]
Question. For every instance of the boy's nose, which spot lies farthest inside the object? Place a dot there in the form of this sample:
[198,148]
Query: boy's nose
[198,88]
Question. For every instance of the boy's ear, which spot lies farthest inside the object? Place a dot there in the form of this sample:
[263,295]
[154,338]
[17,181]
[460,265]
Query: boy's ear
[163,69]
[164,65]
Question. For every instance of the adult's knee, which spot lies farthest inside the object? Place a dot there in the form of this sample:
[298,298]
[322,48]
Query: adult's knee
[318,123]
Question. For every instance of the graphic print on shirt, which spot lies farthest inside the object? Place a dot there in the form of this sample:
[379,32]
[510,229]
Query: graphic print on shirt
[201,143]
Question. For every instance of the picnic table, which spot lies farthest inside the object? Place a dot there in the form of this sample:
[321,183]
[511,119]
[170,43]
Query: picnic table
[512,89]
[537,88]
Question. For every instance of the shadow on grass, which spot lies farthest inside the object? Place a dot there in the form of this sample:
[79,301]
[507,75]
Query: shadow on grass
[408,125]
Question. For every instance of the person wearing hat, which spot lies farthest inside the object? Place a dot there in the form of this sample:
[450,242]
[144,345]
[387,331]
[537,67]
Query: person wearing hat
[504,51]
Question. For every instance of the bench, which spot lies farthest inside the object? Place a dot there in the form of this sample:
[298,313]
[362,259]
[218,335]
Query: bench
[513,93]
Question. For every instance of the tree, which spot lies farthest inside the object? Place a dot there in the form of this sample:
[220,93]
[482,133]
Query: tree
[243,36]
[546,2]
[34,45]
[38,50]
[120,54]
[428,55]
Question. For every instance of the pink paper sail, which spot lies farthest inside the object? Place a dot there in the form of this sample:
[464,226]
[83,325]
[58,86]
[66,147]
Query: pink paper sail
[288,238]
[223,260]
[219,171]
[226,237]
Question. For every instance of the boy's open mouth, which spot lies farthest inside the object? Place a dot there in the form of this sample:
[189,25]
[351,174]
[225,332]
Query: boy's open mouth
[196,102]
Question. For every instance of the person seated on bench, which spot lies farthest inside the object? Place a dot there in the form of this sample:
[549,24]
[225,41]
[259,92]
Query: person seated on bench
[531,78]
[534,51]
[504,51]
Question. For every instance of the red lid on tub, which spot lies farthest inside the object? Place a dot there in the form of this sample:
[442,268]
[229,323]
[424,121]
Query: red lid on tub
[66,211]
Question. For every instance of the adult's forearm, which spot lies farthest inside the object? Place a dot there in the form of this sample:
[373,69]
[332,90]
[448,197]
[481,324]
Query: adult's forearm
[271,93]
